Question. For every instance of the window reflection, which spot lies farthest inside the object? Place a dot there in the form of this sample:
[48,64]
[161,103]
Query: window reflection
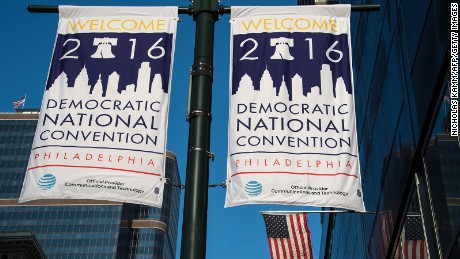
[442,163]
[442,177]
[411,244]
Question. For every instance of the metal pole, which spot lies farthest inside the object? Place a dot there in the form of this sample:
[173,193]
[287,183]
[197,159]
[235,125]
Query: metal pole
[55,9]
[188,9]
[193,244]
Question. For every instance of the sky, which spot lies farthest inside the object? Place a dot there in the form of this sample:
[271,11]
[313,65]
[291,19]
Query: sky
[27,43]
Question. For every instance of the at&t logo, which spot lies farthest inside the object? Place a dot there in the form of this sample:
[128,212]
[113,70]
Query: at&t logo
[47,181]
[253,188]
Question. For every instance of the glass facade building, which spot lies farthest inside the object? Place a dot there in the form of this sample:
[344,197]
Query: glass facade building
[82,228]
[410,163]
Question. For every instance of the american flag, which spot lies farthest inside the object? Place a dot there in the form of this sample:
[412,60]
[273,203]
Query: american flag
[19,102]
[412,245]
[288,236]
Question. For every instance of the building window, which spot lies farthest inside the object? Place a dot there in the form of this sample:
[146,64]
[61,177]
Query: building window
[442,163]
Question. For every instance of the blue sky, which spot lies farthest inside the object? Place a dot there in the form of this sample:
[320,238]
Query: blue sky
[27,45]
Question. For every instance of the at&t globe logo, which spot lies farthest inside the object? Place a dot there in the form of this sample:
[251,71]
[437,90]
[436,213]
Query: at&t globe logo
[47,181]
[253,188]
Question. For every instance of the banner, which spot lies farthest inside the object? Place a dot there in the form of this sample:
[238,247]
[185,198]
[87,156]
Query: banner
[101,133]
[292,132]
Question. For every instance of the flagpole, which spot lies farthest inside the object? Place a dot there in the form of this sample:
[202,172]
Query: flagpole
[25,98]
[317,211]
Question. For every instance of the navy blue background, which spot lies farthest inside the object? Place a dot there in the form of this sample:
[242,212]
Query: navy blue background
[125,67]
[308,69]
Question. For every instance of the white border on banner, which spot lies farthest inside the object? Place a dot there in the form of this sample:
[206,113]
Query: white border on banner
[120,185]
[258,23]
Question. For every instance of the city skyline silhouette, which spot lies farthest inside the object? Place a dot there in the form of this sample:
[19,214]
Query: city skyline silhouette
[109,53]
[326,88]
[143,84]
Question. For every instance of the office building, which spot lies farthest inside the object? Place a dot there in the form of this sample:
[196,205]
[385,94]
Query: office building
[410,165]
[82,228]
[20,244]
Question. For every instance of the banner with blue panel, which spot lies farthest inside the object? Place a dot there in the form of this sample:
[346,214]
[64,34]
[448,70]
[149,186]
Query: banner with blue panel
[102,128]
[292,129]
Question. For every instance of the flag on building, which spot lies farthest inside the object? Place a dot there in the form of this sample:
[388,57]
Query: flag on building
[17,103]
[288,236]
[103,120]
[412,244]
[292,124]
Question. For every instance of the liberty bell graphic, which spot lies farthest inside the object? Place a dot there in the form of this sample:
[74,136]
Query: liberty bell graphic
[104,47]
[282,45]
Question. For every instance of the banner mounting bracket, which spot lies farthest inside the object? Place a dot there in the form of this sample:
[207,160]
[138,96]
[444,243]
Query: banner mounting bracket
[209,153]
[195,113]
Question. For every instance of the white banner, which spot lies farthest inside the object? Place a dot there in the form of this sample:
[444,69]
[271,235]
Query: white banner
[103,120]
[292,130]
